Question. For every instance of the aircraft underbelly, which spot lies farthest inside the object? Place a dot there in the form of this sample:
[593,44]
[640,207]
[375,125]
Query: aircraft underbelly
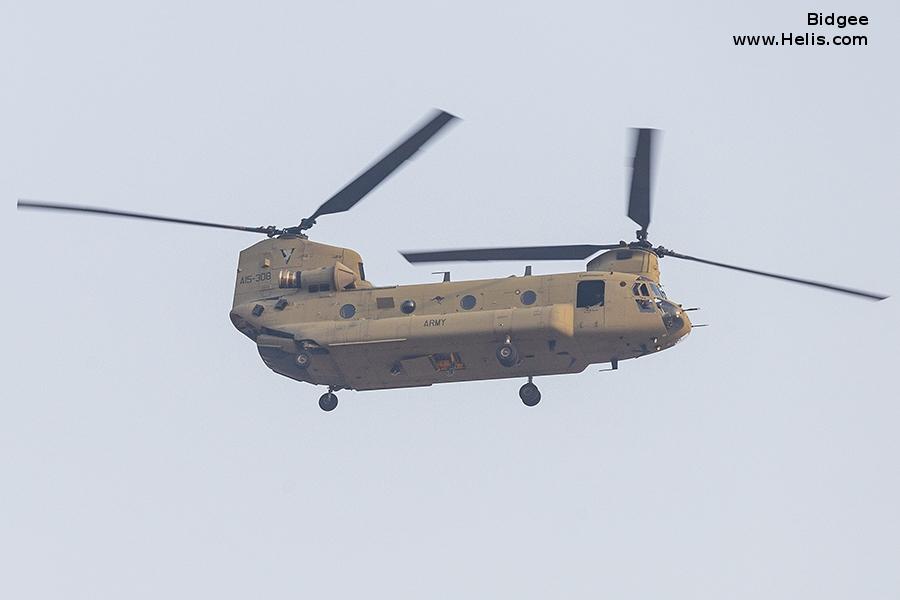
[376,366]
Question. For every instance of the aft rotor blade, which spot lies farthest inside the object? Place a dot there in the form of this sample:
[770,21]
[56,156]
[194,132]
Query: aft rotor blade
[641,173]
[570,252]
[369,179]
[33,205]
[818,284]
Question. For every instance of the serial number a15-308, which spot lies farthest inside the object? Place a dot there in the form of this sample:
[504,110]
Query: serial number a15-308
[256,278]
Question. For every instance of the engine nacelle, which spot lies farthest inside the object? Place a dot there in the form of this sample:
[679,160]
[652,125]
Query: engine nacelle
[337,277]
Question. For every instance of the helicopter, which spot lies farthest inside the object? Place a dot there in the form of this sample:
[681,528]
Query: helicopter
[315,318]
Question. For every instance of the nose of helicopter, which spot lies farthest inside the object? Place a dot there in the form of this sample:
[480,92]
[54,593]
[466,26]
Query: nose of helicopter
[677,323]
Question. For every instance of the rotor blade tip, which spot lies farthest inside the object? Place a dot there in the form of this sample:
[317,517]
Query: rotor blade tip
[441,111]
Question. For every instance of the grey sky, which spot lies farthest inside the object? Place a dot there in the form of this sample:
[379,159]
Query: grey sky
[147,452]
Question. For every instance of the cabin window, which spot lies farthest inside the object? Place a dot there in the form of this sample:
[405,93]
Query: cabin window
[362,271]
[407,307]
[468,302]
[348,310]
[528,297]
[384,302]
[590,293]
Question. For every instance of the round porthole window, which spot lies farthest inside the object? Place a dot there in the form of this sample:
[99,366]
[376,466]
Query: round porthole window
[407,307]
[528,297]
[348,310]
[468,302]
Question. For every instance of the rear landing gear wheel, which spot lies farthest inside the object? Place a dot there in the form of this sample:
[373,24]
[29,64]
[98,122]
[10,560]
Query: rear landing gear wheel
[328,401]
[530,394]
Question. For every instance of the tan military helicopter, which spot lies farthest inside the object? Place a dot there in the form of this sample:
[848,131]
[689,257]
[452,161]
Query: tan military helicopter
[314,317]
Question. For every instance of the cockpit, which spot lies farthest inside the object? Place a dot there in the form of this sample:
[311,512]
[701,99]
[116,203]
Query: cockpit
[647,294]
[648,289]
[650,297]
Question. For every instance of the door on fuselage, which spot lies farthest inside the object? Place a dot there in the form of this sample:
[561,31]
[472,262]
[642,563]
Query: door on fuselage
[590,299]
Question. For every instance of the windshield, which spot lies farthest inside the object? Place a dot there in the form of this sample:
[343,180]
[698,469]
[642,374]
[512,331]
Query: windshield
[648,289]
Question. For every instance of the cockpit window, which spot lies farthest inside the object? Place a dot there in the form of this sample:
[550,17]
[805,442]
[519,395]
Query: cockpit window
[646,306]
[648,290]
[640,289]
[590,293]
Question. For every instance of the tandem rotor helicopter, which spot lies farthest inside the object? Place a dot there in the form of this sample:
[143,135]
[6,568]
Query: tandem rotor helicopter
[314,316]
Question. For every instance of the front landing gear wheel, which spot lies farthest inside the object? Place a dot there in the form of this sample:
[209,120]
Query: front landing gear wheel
[530,394]
[507,355]
[328,402]
[303,359]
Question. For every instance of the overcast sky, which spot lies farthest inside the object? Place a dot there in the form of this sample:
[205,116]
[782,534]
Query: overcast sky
[147,452]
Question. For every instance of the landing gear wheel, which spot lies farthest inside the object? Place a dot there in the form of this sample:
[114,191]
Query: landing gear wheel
[328,402]
[507,355]
[303,359]
[530,394]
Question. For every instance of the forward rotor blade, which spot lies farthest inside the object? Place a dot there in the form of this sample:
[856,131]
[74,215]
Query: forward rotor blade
[818,284]
[573,252]
[369,179]
[641,172]
[33,205]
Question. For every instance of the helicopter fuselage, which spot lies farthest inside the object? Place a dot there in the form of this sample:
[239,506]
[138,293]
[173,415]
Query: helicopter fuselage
[315,318]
